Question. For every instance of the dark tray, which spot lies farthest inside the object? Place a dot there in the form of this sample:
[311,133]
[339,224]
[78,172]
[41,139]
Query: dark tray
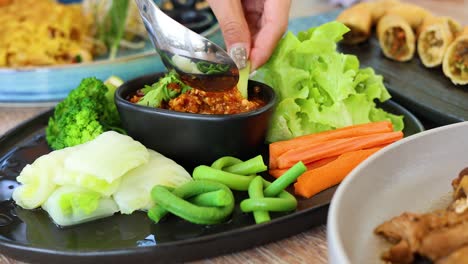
[31,236]
[426,92]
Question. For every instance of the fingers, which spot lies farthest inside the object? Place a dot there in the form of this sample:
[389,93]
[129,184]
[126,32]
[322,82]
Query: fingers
[234,27]
[273,24]
[253,10]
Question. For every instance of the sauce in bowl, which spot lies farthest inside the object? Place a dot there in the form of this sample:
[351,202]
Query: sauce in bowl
[202,102]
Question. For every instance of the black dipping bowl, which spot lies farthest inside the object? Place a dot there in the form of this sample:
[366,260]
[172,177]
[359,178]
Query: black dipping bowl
[195,139]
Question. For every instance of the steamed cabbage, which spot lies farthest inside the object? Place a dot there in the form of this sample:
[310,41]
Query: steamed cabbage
[109,174]
[38,179]
[135,188]
[88,181]
[71,205]
[107,157]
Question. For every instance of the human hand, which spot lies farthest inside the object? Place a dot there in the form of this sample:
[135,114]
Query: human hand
[251,28]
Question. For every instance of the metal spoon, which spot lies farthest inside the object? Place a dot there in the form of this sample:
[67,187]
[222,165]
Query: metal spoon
[199,62]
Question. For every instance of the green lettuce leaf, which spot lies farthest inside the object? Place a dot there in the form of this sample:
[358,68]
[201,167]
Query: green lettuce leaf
[319,88]
[377,114]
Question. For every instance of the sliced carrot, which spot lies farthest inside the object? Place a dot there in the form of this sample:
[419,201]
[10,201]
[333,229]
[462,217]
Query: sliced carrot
[280,147]
[335,147]
[314,181]
[310,166]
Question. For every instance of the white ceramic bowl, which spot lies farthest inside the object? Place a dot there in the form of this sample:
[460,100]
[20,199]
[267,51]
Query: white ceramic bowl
[413,174]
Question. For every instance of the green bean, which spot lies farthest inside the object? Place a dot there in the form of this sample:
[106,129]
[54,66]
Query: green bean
[284,202]
[233,181]
[223,162]
[174,203]
[285,180]
[248,167]
[256,191]
[212,199]
[156,213]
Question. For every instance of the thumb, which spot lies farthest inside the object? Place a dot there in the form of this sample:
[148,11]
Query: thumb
[230,16]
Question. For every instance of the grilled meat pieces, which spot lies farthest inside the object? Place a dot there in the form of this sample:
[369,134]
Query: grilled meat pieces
[441,236]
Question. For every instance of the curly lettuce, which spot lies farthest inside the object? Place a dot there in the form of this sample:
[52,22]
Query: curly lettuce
[319,88]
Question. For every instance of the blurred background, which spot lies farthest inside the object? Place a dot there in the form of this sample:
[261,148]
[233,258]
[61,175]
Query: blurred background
[26,90]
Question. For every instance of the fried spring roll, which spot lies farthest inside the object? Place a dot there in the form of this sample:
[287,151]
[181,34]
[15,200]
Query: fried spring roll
[379,8]
[358,19]
[455,63]
[411,13]
[396,38]
[435,36]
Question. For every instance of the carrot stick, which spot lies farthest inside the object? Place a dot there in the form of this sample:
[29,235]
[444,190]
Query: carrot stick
[335,147]
[310,166]
[314,181]
[280,147]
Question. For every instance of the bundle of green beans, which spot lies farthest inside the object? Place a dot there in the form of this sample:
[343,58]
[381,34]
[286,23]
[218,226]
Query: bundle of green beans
[209,199]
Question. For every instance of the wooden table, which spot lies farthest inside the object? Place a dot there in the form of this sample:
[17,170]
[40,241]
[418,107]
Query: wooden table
[309,246]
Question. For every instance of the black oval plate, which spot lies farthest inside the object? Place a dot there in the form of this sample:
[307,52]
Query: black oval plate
[427,92]
[31,236]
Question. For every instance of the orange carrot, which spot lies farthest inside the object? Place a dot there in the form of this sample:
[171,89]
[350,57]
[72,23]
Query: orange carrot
[280,147]
[314,181]
[310,166]
[335,147]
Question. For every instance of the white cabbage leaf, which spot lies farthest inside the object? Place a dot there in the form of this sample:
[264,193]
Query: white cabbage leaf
[72,205]
[37,179]
[134,192]
[88,181]
[108,157]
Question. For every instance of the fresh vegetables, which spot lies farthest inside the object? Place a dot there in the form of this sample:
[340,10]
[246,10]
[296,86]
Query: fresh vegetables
[330,155]
[87,112]
[233,165]
[160,91]
[37,179]
[72,205]
[284,202]
[234,181]
[201,203]
[111,173]
[319,179]
[286,179]
[174,202]
[135,187]
[256,192]
[273,198]
[310,166]
[214,198]
[243,83]
[320,89]
[335,147]
[233,172]
[280,147]
[108,157]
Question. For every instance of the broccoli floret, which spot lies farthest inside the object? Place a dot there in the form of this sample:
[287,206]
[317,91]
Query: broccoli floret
[87,112]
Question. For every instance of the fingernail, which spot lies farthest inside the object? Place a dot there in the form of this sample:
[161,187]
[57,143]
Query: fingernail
[238,53]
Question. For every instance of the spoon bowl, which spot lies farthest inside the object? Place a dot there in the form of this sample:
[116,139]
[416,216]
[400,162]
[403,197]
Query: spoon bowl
[199,62]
